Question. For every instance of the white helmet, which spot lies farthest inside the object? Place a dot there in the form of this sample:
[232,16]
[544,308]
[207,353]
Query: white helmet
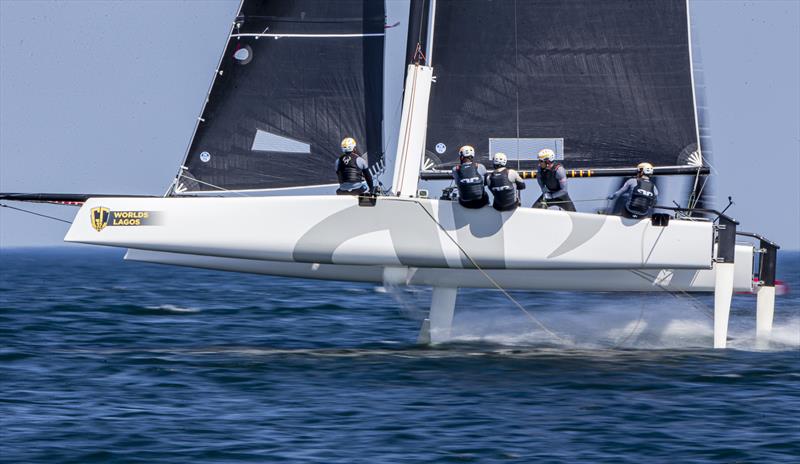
[348,144]
[547,155]
[645,168]
[467,151]
[500,159]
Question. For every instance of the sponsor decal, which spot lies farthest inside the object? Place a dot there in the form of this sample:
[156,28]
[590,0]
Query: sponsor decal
[102,217]
[99,217]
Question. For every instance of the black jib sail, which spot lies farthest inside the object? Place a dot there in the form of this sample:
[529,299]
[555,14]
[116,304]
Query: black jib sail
[295,78]
[603,83]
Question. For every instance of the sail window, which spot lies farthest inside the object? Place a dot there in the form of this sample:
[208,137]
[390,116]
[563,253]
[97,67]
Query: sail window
[526,148]
[267,141]
[243,54]
[205,157]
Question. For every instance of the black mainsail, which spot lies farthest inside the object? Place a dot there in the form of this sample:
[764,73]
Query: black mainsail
[295,77]
[606,83]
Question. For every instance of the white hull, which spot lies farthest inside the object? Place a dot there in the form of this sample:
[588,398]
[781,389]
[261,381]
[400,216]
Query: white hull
[396,232]
[634,280]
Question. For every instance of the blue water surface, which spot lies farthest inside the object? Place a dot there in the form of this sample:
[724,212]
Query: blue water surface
[103,360]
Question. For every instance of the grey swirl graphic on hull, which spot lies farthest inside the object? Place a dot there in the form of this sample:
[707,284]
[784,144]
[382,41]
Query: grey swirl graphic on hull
[584,227]
[414,236]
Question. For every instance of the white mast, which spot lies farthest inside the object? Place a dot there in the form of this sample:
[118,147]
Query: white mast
[414,121]
[429,40]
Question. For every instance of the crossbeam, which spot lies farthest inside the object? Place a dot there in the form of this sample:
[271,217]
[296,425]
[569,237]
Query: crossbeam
[441,174]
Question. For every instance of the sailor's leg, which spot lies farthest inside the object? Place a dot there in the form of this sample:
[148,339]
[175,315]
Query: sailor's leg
[765,309]
[565,202]
[723,292]
[436,328]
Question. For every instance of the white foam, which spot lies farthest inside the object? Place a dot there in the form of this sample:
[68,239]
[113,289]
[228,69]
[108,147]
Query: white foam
[677,324]
[174,309]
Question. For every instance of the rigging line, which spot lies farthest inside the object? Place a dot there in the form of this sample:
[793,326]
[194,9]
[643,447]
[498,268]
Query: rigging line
[212,185]
[404,158]
[548,204]
[284,19]
[516,78]
[693,195]
[696,303]
[491,280]
[700,193]
[36,214]
[674,294]
[641,308]
[580,201]
[422,10]
[398,110]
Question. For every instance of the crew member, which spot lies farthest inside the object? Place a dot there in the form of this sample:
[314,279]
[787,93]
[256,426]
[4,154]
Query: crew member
[641,193]
[552,178]
[470,178]
[352,171]
[504,184]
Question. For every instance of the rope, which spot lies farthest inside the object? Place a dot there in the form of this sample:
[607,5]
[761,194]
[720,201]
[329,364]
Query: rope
[516,303]
[211,185]
[516,77]
[545,204]
[36,214]
[649,278]
[696,304]
[574,201]
[490,279]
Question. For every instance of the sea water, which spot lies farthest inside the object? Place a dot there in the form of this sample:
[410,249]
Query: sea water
[103,360]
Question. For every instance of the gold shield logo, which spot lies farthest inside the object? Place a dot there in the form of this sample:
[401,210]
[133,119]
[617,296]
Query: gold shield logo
[99,217]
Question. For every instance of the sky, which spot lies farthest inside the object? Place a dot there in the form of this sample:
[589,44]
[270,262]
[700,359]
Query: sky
[102,97]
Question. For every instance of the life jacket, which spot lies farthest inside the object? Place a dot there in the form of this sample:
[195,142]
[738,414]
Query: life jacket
[549,177]
[348,170]
[470,182]
[643,197]
[503,190]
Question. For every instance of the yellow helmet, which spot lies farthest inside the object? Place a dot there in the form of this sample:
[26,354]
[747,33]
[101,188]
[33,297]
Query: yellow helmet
[645,168]
[467,151]
[348,144]
[547,155]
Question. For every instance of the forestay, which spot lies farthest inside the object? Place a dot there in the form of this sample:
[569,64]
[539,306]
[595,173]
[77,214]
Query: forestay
[295,77]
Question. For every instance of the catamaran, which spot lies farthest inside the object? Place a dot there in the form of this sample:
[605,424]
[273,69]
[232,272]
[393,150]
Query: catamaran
[605,85]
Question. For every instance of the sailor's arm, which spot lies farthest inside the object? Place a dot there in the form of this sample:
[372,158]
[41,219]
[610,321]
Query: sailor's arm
[627,186]
[365,171]
[483,173]
[514,177]
[561,176]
